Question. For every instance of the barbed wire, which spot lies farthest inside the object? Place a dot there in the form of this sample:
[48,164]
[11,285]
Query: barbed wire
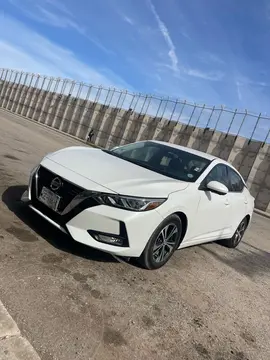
[217,118]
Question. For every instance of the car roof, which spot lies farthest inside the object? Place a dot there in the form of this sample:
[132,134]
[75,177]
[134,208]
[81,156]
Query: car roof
[191,151]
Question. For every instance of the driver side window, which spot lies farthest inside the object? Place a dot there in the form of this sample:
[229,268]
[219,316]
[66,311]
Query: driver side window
[218,173]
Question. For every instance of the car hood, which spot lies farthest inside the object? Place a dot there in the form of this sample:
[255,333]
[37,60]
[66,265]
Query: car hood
[116,174]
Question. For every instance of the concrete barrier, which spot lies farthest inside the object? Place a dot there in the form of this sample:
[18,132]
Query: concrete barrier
[115,126]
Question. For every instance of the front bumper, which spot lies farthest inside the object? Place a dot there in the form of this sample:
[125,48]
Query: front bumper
[138,226]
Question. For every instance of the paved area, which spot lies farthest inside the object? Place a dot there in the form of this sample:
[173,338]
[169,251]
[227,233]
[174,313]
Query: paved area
[71,302]
[12,345]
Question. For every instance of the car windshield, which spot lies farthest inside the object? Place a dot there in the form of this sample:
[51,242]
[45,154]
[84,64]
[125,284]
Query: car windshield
[163,159]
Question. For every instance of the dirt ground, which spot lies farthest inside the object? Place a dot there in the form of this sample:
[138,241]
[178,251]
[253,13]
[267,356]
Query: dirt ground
[72,302]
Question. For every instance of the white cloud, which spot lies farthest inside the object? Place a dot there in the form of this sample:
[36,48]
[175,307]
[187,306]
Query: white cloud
[185,34]
[180,70]
[56,14]
[238,87]
[213,75]
[127,19]
[165,33]
[44,12]
[197,73]
[253,93]
[245,81]
[209,57]
[44,15]
[23,49]
[60,6]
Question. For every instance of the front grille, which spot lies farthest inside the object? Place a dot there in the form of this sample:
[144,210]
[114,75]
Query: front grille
[67,192]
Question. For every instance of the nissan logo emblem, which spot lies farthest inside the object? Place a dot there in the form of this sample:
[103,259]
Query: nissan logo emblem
[56,184]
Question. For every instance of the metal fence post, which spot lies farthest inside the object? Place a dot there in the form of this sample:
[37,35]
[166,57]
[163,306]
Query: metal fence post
[118,101]
[266,138]
[57,82]
[98,94]
[158,108]
[242,123]
[131,103]
[23,97]
[11,73]
[2,72]
[199,117]
[175,104]
[191,115]
[234,114]
[143,105]
[108,93]
[149,102]
[165,107]
[179,117]
[138,98]
[124,98]
[219,116]
[257,122]
[210,117]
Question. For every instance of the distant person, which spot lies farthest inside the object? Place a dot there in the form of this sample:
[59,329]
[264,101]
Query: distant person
[90,135]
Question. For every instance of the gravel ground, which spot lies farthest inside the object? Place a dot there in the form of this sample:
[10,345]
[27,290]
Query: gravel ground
[73,302]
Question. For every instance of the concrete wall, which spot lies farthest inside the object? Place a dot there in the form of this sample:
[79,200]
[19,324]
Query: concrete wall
[115,126]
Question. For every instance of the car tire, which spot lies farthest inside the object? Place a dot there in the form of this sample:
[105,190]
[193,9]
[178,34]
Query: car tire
[162,244]
[234,241]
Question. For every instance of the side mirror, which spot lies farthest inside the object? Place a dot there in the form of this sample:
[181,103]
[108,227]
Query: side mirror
[217,187]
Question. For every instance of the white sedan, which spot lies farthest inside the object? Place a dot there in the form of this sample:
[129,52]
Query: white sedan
[143,200]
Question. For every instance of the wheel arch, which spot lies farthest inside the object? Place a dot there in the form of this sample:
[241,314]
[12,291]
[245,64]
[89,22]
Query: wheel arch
[248,217]
[184,220]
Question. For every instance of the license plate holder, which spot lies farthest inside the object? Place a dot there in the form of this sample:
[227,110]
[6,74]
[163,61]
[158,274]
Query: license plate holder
[49,198]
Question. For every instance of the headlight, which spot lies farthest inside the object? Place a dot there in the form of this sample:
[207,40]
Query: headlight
[128,202]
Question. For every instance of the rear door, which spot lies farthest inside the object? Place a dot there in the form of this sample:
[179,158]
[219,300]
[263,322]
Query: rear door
[237,197]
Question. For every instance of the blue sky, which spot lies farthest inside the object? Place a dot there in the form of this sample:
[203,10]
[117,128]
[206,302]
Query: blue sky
[206,51]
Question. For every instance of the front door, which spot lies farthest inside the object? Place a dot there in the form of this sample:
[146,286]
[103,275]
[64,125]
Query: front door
[214,213]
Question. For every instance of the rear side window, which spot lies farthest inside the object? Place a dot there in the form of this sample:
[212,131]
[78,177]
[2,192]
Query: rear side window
[235,182]
[218,173]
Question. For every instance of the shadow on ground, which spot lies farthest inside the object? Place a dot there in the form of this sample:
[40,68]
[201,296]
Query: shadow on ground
[11,198]
[245,259]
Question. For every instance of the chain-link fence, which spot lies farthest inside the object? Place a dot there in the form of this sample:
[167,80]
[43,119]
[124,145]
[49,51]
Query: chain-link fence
[235,122]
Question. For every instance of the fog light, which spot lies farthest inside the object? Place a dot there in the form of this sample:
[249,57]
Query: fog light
[25,196]
[108,239]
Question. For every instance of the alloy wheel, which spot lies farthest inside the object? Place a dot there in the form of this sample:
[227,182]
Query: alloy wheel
[165,242]
[240,232]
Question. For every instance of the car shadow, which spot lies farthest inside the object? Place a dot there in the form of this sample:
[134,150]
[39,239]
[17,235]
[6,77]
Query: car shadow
[11,198]
[245,259]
